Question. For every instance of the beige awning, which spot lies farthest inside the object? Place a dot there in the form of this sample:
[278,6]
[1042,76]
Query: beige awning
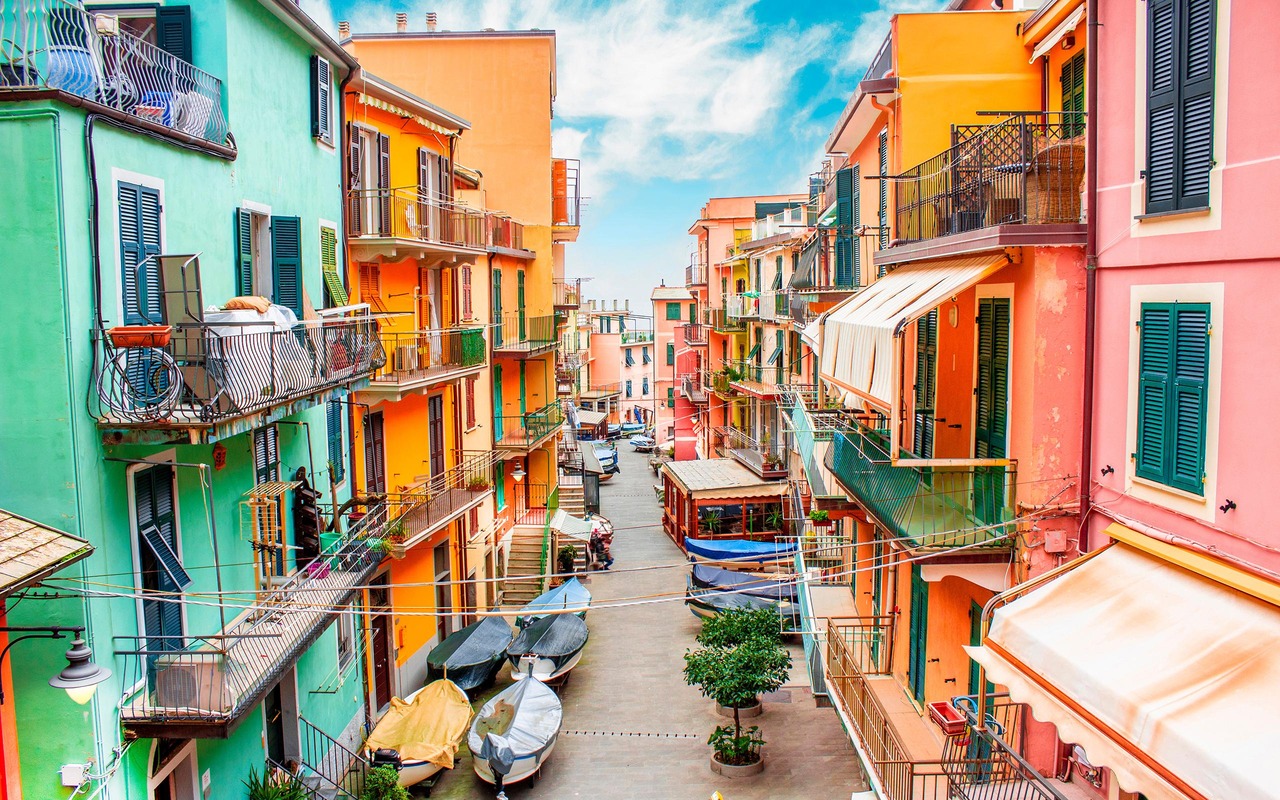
[721,479]
[30,552]
[590,419]
[1051,40]
[858,334]
[1167,677]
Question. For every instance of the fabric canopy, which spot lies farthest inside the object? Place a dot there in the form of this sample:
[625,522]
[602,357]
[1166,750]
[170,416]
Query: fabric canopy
[1051,41]
[857,340]
[803,277]
[428,726]
[1165,676]
[590,419]
[526,715]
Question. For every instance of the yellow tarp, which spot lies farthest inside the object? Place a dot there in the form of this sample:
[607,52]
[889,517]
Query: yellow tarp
[429,728]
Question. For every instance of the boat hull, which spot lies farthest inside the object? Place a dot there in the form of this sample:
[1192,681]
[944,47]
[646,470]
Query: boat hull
[523,767]
[545,669]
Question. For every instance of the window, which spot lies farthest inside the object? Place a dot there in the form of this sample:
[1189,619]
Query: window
[777,275]
[1072,80]
[333,422]
[926,383]
[644,355]
[335,291]
[464,277]
[500,485]
[159,567]
[1173,381]
[286,263]
[847,216]
[444,588]
[1180,53]
[918,633]
[628,359]
[471,402]
[671,397]
[671,354]
[321,100]
[644,387]
[628,388]
[140,221]
[883,151]
[266,454]
[673,311]
[346,628]
[693,313]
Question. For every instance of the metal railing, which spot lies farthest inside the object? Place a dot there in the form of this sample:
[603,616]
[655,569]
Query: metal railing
[722,322]
[636,337]
[790,221]
[883,61]
[568,294]
[405,213]
[692,388]
[505,232]
[1026,169]
[695,334]
[520,333]
[933,507]
[525,431]
[337,768]
[214,680]
[765,458]
[210,372]
[775,305]
[987,762]
[566,193]
[742,306]
[421,509]
[532,497]
[746,370]
[54,44]
[696,273]
[602,389]
[418,356]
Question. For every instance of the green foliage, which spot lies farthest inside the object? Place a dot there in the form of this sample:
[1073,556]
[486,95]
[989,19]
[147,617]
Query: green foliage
[736,749]
[735,676]
[382,783]
[711,520]
[740,625]
[277,786]
[565,557]
[774,519]
[819,515]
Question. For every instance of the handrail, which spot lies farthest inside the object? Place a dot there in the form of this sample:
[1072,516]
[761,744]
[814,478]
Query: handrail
[341,770]
[414,356]
[408,213]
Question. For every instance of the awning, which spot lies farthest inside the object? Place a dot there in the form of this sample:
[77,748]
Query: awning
[1051,41]
[828,217]
[30,552]
[721,479]
[857,342]
[571,526]
[1167,677]
[802,278]
[590,419]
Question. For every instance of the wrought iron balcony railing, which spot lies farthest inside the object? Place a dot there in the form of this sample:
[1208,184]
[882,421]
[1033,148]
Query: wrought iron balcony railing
[764,458]
[425,507]
[696,273]
[742,306]
[721,322]
[568,294]
[525,335]
[505,232]
[1025,170]
[201,374]
[419,358]
[55,44]
[406,214]
[566,193]
[695,334]
[527,431]
[692,387]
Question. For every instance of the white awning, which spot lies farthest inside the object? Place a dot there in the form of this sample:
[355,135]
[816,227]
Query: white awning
[857,342]
[1051,41]
[590,419]
[811,334]
[1165,676]
[828,217]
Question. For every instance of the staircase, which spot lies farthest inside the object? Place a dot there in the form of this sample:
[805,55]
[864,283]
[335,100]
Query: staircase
[328,769]
[573,502]
[524,560]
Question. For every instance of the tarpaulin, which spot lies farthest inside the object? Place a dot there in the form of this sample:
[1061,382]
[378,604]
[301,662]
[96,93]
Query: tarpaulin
[526,715]
[427,727]
[470,656]
[552,637]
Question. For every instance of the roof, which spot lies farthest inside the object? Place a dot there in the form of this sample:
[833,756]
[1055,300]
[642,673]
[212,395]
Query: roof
[368,83]
[292,15]
[671,293]
[30,552]
[590,419]
[711,478]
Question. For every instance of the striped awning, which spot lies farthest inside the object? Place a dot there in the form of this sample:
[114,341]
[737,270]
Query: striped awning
[30,552]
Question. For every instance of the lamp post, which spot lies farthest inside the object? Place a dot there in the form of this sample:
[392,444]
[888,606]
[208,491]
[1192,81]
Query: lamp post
[80,677]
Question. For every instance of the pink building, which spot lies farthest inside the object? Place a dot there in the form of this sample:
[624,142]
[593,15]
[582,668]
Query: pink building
[622,363]
[673,307]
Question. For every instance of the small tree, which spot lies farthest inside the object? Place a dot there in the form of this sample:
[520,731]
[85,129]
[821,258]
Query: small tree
[734,677]
[383,783]
[740,625]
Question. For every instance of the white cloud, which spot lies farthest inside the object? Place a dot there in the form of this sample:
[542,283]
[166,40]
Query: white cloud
[873,26]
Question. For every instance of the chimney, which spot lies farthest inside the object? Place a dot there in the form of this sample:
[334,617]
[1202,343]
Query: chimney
[431,21]
[615,305]
[402,22]
[344,29]
[626,304]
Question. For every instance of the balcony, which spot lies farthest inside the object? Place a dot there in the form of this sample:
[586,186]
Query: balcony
[693,389]
[775,306]
[602,391]
[566,199]
[522,336]
[696,273]
[636,337]
[201,686]
[419,360]
[507,236]
[930,508]
[426,507]
[568,294]
[393,224]
[742,306]
[721,322]
[206,381]
[748,377]
[525,432]
[1016,182]
[768,460]
[789,223]
[52,45]
[695,334]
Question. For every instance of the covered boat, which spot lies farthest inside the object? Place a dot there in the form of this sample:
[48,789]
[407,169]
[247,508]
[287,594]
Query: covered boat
[705,576]
[548,648]
[709,602]
[514,733]
[737,550]
[471,657]
[425,729]
[643,444]
[570,594]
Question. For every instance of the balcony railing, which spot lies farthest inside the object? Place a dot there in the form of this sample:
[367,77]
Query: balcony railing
[210,372]
[566,194]
[775,306]
[428,505]
[568,294]
[404,213]
[636,337]
[199,686]
[696,273]
[505,232]
[766,459]
[526,431]
[695,334]
[693,389]
[522,334]
[932,507]
[53,44]
[742,306]
[792,221]
[417,358]
[721,322]
[1025,170]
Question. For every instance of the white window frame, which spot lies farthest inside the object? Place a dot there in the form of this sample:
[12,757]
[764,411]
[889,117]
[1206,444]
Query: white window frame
[186,752]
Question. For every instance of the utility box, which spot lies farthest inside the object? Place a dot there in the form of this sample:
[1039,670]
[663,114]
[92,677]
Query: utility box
[1055,542]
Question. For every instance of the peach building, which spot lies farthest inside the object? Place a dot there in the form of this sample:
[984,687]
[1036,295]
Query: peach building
[622,363]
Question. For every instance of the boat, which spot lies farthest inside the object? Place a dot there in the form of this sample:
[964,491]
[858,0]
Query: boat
[472,656]
[424,730]
[642,443]
[708,602]
[570,594]
[549,648]
[607,455]
[738,551]
[514,733]
[705,576]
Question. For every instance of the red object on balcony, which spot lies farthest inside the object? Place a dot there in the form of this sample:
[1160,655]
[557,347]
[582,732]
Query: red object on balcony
[140,335]
[947,717]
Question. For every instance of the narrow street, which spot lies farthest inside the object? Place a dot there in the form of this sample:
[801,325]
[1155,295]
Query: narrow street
[632,729]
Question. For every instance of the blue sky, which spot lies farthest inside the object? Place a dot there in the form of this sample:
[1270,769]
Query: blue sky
[669,102]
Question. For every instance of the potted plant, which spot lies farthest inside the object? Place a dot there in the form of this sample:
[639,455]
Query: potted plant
[275,786]
[477,483]
[383,783]
[565,557]
[773,520]
[712,521]
[140,335]
[820,517]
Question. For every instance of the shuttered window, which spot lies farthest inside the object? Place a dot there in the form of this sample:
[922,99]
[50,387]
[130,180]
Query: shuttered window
[883,152]
[671,397]
[159,568]
[336,289]
[628,389]
[627,358]
[845,243]
[244,252]
[321,100]
[1072,80]
[266,454]
[917,656]
[139,222]
[926,383]
[671,354]
[673,311]
[173,31]
[384,184]
[644,387]
[286,262]
[1180,55]
[993,377]
[333,427]
[375,464]
[465,278]
[471,402]
[1173,389]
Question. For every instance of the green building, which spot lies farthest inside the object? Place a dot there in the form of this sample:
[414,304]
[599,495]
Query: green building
[162,160]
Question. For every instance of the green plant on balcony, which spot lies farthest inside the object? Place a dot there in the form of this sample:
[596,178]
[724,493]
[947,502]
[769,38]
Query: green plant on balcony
[565,557]
[773,461]
[274,786]
[395,533]
[383,783]
[477,483]
[774,519]
[820,517]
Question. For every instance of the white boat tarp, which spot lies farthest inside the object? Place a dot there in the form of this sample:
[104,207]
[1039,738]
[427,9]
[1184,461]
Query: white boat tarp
[524,717]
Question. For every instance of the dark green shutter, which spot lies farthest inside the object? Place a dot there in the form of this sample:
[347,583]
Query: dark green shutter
[1197,103]
[673,311]
[1173,378]
[671,397]
[321,99]
[1180,75]
[1190,397]
[244,252]
[671,354]
[333,425]
[495,302]
[1072,83]
[286,262]
[693,314]
[173,31]
[993,377]
[845,247]
[919,633]
[520,302]
[266,454]
[926,383]
[524,408]
[153,506]
[497,404]
[139,208]
[329,267]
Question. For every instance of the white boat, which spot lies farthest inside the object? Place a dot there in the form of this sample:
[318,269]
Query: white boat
[643,444]
[548,648]
[425,729]
[514,733]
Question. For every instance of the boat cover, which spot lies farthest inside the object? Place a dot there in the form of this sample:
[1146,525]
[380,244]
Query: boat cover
[553,636]
[737,549]
[467,656]
[709,577]
[570,594]
[427,727]
[721,601]
[524,717]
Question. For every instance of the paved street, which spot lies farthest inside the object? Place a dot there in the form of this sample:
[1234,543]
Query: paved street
[632,729]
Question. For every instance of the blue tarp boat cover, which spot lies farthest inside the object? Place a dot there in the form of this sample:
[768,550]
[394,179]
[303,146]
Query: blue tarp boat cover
[570,594]
[737,549]
[709,577]
[470,656]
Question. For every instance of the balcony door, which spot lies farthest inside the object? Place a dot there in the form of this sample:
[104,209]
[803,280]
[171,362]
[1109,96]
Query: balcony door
[917,656]
[992,400]
[375,457]
[429,316]
[380,653]
[444,588]
[159,565]
[435,433]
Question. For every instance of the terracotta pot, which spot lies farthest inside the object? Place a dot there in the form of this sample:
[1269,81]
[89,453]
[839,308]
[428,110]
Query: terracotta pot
[747,712]
[737,770]
[140,335]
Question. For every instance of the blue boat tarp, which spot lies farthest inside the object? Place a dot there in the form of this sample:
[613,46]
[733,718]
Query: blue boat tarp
[737,549]
[717,601]
[709,577]
[570,594]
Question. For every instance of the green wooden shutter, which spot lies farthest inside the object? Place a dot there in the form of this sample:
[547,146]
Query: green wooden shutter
[1072,85]
[524,409]
[671,354]
[1173,363]
[520,302]
[693,313]
[173,31]
[500,485]
[321,99]
[329,266]
[286,262]
[926,383]
[844,242]
[993,377]
[673,311]
[1155,363]
[266,454]
[333,427]
[139,221]
[498,431]
[919,633]
[495,302]
[671,397]
[1180,77]
[154,508]
[883,152]
[244,252]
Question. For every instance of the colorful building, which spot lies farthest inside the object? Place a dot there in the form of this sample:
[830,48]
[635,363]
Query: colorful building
[673,308]
[622,364]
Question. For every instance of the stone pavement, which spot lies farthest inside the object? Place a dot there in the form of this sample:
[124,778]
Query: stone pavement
[632,729]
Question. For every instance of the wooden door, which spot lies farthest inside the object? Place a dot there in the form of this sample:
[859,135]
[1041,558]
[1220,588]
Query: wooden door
[435,434]
[380,645]
[375,463]
[919,633]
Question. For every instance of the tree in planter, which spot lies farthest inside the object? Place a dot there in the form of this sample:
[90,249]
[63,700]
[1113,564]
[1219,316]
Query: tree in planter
[565,557]
[712,521]
[773,520]
[383,783]
[741,625]
[734,677]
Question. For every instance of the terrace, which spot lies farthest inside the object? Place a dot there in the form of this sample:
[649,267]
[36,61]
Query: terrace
[419,360]
[695,334]
[696,273]
[766,459]
[398,223]
[432,503]
[523,336]
[507,236]
[525,432]
[568,294]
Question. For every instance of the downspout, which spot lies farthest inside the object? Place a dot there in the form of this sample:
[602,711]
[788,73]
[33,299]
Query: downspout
[1091,271]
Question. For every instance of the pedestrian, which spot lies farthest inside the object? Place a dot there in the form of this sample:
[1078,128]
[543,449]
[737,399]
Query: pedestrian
[599,552]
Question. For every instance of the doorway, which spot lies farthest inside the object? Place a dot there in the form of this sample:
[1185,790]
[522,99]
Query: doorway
[174,775]
[380,687]
[435,434]
[280,720]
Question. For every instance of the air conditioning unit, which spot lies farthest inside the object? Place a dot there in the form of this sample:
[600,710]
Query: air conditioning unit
[406,358]
[195,685]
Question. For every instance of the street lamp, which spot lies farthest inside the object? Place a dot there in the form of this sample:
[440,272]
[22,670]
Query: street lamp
[518,473]
[80,677]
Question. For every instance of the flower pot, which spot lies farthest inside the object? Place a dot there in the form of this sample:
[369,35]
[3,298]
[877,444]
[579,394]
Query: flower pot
[747,712]
[737,770]
[140,335]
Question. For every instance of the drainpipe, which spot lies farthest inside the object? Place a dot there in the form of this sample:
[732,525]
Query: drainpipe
[1091,271]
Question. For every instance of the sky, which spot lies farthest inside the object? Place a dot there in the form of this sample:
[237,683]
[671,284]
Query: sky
[670,102]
